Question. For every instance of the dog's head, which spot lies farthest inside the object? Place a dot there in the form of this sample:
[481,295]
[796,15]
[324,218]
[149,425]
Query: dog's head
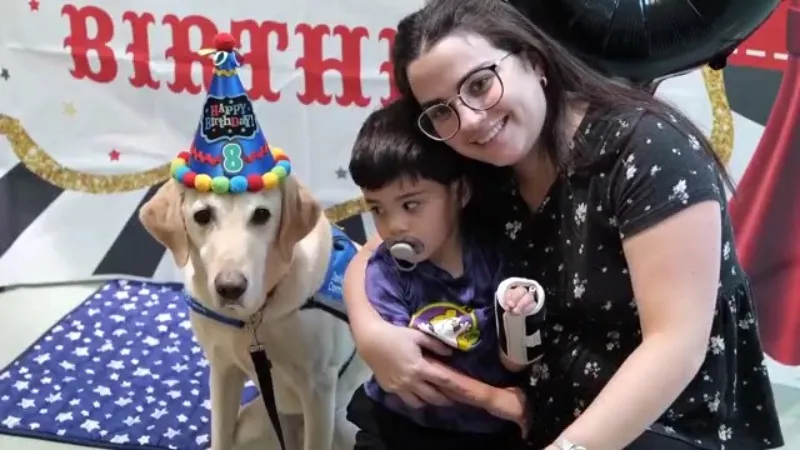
[239,245]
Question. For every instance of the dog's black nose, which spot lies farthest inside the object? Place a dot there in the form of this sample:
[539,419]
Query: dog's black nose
[230,285]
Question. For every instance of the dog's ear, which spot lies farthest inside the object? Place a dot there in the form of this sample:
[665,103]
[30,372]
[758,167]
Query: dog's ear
[161,217]
[299,215]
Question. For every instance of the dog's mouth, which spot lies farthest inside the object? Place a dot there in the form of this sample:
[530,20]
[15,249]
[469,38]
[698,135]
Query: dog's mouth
[241,310]
[234,308]
[243,306]
[227,304]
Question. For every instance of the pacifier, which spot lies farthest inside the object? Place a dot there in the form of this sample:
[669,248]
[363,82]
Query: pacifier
[406,253]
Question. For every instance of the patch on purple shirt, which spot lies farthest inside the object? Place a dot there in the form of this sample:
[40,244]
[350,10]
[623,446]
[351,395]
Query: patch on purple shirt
[453,324]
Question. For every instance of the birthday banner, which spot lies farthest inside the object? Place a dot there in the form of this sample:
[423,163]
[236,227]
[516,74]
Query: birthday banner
[97,97]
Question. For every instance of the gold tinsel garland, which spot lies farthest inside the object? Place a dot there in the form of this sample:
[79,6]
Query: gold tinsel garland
[42,164]
[722,132]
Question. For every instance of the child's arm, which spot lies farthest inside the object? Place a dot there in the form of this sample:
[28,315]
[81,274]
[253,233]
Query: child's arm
[505,403]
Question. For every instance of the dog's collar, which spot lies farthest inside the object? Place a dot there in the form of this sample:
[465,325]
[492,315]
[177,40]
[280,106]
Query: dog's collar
[199,308]
[203,310]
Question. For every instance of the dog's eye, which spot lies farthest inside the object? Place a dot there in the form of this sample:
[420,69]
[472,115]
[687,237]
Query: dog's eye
[203,216]
[260,216]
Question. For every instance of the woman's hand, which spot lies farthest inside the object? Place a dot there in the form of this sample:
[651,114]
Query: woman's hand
[510,404]
[395,356]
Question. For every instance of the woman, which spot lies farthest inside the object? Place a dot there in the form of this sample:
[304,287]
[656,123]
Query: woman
[616,204]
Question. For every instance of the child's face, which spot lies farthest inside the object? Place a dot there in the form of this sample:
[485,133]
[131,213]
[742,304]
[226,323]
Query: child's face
[415,210]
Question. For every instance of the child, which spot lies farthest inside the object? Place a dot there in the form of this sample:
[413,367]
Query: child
[433,273]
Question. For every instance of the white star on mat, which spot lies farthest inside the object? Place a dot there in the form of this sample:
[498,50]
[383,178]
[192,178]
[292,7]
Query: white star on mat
[102,391]
[11,422]
[120,439]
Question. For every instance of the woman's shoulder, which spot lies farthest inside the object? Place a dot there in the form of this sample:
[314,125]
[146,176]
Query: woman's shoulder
[648,164]
[614,135]
[662,143]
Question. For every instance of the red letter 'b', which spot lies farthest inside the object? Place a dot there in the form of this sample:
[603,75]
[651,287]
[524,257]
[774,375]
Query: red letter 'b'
[80,43]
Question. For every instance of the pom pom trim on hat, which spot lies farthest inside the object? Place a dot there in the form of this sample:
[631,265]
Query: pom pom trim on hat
[180,172]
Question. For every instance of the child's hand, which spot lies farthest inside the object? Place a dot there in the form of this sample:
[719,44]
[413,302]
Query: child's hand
[519,300]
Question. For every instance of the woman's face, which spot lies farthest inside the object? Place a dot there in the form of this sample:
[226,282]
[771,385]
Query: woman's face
[501,135]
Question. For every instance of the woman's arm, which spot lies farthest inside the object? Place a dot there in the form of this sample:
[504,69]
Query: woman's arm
[505,403]
[665,196]
[360,312]
[392,352]
[674,268]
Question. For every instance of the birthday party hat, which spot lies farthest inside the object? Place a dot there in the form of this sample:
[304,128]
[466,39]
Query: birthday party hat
[230,153]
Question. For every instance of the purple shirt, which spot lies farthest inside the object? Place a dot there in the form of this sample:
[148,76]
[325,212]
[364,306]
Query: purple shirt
[458,311]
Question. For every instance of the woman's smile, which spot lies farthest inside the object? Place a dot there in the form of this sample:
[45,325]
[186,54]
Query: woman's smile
[492,131]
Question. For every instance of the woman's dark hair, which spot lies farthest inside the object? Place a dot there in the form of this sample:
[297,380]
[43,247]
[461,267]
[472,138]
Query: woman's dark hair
[389,147]
[568,78]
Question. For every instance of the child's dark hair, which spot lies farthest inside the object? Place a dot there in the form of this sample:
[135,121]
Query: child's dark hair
[389,146]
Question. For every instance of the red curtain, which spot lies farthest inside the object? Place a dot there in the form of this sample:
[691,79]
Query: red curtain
[766,213]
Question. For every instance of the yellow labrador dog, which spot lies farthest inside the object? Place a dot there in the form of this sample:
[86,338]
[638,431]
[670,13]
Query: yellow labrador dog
[257,261]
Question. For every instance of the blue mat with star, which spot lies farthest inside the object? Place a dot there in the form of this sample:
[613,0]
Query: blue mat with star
[121,371]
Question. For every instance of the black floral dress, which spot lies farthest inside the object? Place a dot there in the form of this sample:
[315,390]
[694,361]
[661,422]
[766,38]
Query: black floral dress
[573,246]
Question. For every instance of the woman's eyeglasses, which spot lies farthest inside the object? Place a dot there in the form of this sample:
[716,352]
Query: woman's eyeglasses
[480,91]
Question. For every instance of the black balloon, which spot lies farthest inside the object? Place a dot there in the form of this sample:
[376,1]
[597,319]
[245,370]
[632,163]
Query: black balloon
[646,40]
